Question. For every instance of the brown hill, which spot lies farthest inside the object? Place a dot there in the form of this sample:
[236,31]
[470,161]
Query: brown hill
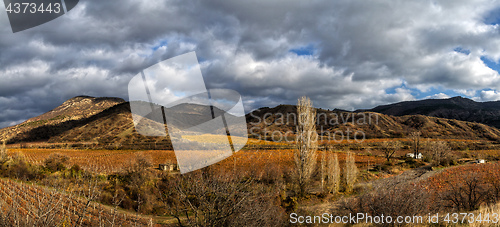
[77,108]
[373,125]
[113,127]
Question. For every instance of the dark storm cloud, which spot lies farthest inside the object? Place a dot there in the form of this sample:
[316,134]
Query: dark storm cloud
[362,52]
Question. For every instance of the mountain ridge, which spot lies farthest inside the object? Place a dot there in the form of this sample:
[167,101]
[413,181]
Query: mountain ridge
[381,126]
[75,108]
[110,125]
[457,108]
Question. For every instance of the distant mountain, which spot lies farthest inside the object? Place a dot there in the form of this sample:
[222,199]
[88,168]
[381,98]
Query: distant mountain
[454,108]
[264,121]
[107,123]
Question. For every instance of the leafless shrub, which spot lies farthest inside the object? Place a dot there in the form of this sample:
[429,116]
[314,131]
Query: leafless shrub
[322,171]
[213,200]
[203,198]
[43,208]
[59,204]
[401,200]
[438,152]
[143,161]
[307,144]
[90,189]
[466,195]
[116,200]
[45,211]
[389,148]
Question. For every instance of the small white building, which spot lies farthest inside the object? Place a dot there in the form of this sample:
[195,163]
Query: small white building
[479,161]
[412,155]
[168,167]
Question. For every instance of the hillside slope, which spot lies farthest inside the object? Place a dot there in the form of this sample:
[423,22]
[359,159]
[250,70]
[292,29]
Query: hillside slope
[374,125]
[74,109]
[113,127]
[453,108]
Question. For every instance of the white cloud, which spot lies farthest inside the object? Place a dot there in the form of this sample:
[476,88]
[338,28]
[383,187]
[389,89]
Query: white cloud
[438,96]
[490,95]
[362,49]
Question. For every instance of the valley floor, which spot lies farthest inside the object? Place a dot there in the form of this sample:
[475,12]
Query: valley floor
[131,189]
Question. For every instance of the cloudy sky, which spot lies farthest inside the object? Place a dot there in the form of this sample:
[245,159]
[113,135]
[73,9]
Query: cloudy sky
[347,54]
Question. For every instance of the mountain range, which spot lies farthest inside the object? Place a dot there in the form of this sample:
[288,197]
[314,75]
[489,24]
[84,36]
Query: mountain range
[372,124]
[107,122]
[458,108]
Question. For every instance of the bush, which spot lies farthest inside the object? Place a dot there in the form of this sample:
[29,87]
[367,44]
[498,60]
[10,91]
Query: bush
[56,162]
[17,167]
[410,161]
[74,172]
[75,168]
[290,204]
[388,201]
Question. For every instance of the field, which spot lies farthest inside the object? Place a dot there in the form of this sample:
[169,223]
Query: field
[262,170]
[38,206]
[111,161]
[98,161]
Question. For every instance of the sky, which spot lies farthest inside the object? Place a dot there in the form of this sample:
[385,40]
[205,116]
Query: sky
[347,54]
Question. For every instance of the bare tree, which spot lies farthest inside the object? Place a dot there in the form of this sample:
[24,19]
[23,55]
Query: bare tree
[45,210]
[390,148]
[322,171]
[116,201]
[333,173]
[307,143]
[415,141]
[3,152]
[351,171]
[210,200]
[90,192]
[467,195]
[399,200]
[438,151]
